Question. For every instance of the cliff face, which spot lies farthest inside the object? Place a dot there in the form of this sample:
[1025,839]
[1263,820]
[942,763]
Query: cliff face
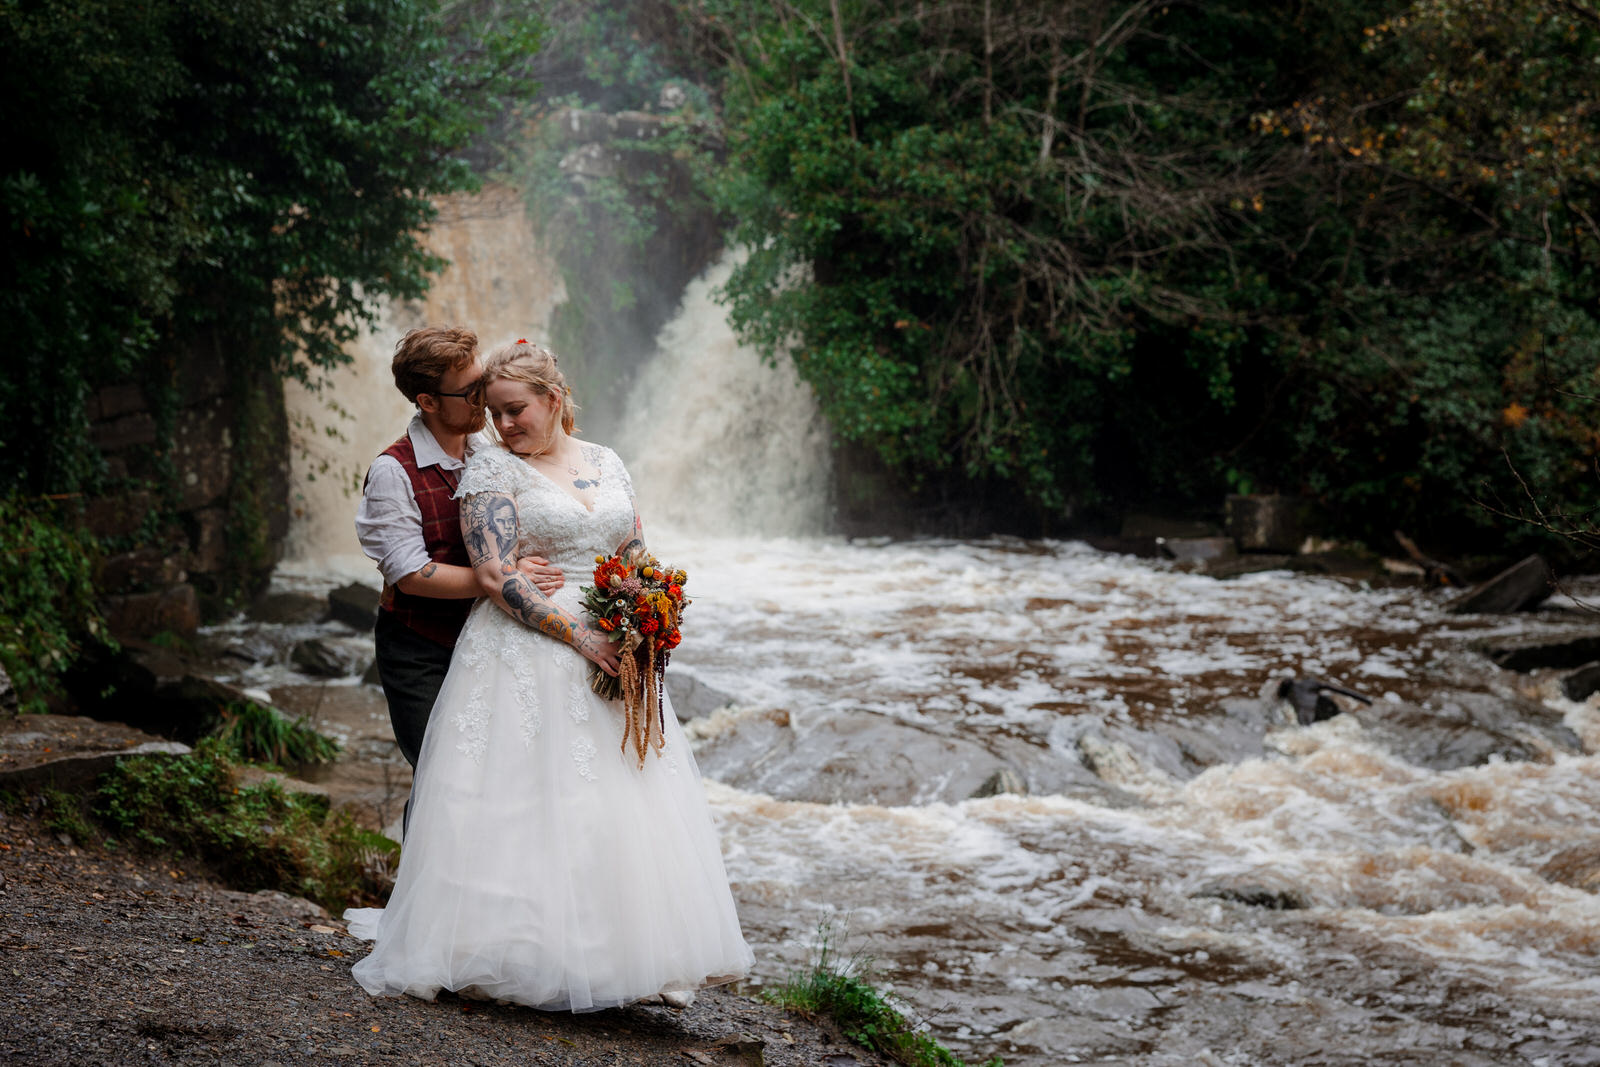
[500,284]
[264,473]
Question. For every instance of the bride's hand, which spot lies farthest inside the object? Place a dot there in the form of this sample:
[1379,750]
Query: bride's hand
[598,649]
[544,574]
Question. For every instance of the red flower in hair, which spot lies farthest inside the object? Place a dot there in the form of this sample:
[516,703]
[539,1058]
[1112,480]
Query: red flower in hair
[522,340]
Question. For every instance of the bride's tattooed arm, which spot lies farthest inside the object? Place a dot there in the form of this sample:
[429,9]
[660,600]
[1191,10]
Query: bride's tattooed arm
[633,547]
[489,523]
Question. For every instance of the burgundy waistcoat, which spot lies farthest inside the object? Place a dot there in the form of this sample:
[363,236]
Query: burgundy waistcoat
[440,621]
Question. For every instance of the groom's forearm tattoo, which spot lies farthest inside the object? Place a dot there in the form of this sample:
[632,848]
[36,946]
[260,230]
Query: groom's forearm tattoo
[427,572]
[527,606]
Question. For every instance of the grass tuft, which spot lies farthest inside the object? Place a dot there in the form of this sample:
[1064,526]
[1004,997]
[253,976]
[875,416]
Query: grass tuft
[864,1013]
[253,733]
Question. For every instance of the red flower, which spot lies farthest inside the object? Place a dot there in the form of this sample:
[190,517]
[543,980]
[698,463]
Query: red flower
[649,626]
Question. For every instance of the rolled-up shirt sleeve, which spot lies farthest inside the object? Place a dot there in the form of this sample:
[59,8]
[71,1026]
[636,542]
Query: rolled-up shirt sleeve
[389,522]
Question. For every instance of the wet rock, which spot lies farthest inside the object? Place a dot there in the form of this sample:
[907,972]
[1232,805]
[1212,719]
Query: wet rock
[1467,729]
[691,698]
[151,689]
[248,648]
[1267,522]
[1517,588]
[78,773]
[846,757]
[174,610]
[354,605]
[1005,780]
[1528,653]
[1206,550]
[323,657]
[1256,892]
[286,609]
[1254,563]
[1582,682]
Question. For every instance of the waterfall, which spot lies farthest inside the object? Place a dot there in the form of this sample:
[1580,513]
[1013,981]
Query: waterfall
[717,440]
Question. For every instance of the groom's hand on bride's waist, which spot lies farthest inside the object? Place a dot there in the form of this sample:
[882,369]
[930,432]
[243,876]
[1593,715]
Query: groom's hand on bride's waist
[544,574]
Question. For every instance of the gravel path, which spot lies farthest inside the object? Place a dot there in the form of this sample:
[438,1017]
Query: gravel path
[118,959]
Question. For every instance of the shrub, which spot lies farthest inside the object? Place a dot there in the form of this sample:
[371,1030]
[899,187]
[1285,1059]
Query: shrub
[252,837]
[253,733]
[47,602]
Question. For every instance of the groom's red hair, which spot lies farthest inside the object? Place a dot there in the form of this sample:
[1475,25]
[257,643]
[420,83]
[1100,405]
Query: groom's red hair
[424,355]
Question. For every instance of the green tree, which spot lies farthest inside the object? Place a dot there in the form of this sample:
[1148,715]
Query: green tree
[252,177]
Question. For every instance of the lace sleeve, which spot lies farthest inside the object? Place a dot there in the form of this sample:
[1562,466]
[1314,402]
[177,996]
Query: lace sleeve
[489,470]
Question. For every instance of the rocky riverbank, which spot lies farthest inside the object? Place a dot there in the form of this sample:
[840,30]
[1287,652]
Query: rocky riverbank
[122,959]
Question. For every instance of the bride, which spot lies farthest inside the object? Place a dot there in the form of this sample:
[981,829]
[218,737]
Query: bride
[542,865]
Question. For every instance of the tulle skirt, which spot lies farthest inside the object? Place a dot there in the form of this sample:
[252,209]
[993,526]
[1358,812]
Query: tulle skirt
[542,865]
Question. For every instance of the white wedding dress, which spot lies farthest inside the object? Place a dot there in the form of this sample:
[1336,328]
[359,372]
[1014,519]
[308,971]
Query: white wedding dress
[542,866]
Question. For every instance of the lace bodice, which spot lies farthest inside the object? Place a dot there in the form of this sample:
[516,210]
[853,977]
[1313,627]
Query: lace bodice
[551,522]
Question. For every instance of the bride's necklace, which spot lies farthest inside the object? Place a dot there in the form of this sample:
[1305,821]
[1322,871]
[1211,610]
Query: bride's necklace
[578,481]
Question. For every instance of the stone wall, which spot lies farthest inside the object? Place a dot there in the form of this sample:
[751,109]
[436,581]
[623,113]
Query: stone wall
[177,521]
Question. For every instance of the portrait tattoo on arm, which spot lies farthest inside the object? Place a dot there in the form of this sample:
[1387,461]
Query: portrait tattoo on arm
[475,525]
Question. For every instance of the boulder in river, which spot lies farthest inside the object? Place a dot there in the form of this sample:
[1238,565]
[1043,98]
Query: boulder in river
[846,757]
[1523,585]
[1581,683]
[691,697]
[1531,652]
[1267,522]
[284,609]
[354,605]
[1467,729]
[324,657]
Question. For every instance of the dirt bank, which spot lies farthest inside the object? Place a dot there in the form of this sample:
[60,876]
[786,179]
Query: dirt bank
[121,959]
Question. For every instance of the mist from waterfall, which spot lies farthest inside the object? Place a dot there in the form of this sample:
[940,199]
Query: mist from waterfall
[717,440]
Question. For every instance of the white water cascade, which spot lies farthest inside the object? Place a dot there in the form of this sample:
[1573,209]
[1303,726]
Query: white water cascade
[717,440]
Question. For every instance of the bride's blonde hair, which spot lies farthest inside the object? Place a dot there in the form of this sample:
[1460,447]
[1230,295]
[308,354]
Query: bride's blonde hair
[535,366]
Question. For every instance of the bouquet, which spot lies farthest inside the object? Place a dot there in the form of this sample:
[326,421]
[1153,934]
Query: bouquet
[638,602]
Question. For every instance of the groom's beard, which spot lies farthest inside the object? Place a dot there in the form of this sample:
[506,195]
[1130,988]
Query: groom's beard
[471,424]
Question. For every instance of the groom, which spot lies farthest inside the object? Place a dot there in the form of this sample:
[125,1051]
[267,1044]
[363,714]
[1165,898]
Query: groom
[409,523]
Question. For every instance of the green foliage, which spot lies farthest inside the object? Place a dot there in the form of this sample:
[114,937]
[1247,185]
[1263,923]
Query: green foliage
[864,1013]
[253,837]
[64,813]
[1115,254]
[253,175]
[47,602]
[257,734]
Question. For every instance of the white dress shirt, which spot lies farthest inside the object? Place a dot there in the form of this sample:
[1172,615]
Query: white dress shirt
[388,520]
